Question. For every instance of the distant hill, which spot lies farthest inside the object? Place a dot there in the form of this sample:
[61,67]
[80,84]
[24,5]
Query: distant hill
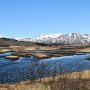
[5,42]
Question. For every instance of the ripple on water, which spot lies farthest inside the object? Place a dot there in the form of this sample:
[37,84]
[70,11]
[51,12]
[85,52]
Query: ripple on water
[11,72]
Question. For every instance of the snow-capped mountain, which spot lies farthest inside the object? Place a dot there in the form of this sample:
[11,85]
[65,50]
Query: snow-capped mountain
[72,38]
[23,39]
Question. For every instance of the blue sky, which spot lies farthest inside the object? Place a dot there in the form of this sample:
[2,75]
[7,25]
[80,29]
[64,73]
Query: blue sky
[30,18]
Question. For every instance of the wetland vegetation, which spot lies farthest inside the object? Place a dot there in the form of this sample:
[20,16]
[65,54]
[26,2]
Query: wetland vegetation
[27,65]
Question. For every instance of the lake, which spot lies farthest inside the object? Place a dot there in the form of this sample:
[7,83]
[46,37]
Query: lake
[27,68]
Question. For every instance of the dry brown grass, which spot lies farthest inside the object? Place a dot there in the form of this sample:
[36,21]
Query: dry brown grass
[73,81]
[12,57]
[74,75]
[25,86]
[85,50]
[42,48]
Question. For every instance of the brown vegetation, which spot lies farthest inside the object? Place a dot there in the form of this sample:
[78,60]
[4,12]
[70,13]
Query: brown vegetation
[11,57]
[73,81]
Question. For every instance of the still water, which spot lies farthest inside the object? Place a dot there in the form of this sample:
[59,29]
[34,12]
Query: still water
[27,68]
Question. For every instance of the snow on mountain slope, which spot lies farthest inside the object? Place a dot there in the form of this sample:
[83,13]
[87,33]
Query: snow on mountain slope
[72,38]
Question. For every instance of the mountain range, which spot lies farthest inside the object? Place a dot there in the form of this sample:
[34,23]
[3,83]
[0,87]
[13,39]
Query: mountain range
[72,38]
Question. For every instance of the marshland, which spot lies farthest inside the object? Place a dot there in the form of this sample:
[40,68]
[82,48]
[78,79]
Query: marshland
[45,67]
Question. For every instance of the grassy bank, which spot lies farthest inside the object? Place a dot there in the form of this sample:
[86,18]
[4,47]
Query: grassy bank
[73,81]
